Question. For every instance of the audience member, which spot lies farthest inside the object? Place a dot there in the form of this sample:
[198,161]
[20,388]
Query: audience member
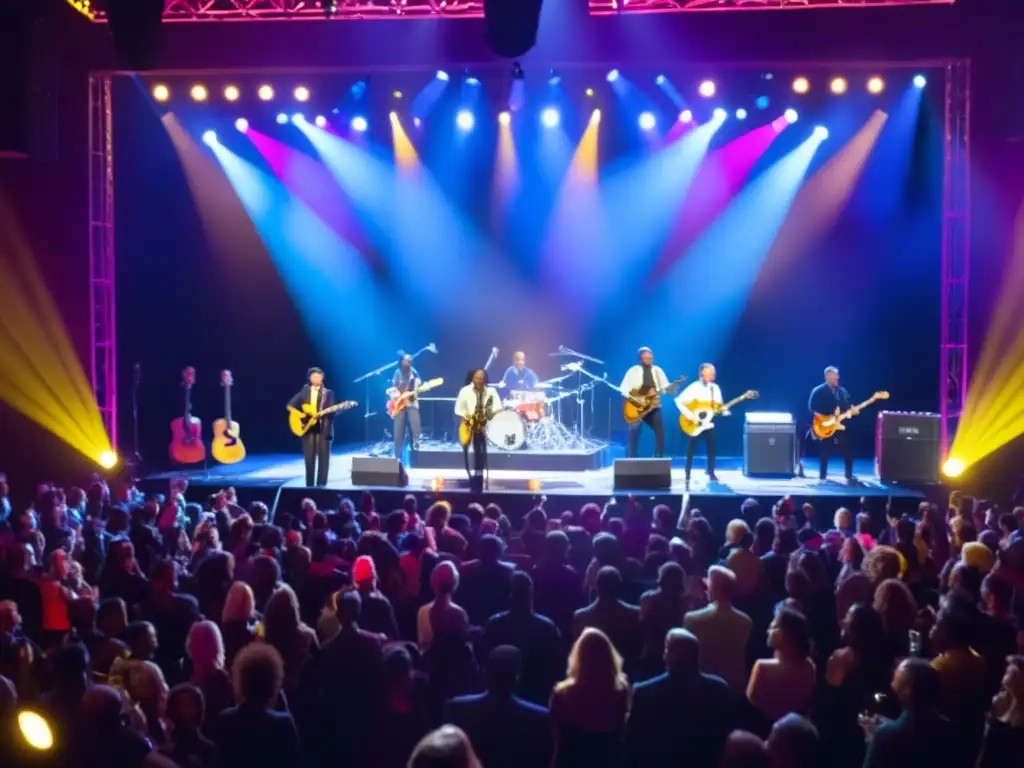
[447,747]
[617,620]
[784,683]
[205,649]
[186,744]
[722,632]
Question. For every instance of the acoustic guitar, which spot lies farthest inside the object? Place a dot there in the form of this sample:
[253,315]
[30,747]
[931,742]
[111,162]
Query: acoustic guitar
[825,426]
[704,413]
[226,446]
[301,421]
[399,402]
[639,403]
[187,431]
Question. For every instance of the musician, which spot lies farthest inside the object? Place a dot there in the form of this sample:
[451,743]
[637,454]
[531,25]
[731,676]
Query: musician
[476,399]
[316,443]
[824,400]
[518,376]
[645,377]
[704,390]
[406,379]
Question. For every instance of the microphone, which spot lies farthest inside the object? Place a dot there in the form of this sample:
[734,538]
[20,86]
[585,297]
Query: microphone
[432,347]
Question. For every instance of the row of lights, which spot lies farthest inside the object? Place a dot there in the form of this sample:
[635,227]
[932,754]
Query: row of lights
[200,94]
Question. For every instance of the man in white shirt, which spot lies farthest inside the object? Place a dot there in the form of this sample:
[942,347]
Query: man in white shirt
[643,378]
[699,394]
[722,631]
[476,397]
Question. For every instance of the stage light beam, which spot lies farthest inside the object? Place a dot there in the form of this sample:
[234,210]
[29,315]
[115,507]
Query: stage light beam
[320,121]
[953,467]
[741,114]
[920,81]
[612,76]
[359,124]
[209,138]
[282,118]
[791,116]
[465,120]
[686,116]
[241,125]
[720,114]
[707,89]
[646,121]
[549,117]
[442,76]
[821,132]
[504,118]
[301,94]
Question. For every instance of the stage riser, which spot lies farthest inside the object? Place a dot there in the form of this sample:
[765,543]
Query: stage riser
[522,461]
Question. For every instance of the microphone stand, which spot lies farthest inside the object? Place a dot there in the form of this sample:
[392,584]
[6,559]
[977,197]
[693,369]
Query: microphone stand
[366,378]
[580,397]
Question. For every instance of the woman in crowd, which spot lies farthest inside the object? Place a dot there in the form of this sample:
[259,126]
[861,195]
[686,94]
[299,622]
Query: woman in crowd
[785,682]
[296,642]
[238,620]
[1003,746]
[186,745]
[205,649]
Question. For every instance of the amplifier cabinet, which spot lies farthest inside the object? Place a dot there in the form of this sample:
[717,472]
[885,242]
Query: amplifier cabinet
[907,447]
[769,449]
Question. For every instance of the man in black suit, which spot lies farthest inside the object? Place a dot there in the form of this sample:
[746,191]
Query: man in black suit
[316,443]
[824,400]
[683,711]
[505,731]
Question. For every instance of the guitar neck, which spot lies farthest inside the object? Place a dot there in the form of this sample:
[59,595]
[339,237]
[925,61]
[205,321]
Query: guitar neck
[227,404]
[866,403]
[188,404]
[734,401]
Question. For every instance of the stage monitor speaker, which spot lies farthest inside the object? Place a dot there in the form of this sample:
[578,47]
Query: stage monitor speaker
[907,447]
[370,470]
[642,474]
[769,445]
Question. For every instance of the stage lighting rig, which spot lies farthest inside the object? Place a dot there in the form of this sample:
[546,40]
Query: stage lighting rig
[517,71]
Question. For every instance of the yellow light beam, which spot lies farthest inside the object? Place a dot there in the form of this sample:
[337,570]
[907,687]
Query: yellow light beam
[505,179]
[406,157]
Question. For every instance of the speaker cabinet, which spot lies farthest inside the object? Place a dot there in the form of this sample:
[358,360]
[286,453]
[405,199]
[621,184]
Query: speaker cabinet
[642,474]
[769,449]
[907,447]
[370,470]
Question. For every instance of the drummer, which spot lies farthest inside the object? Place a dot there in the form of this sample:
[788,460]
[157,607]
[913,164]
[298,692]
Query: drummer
[518,376]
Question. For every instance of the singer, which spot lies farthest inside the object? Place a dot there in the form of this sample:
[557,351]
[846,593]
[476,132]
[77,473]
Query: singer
[475,406]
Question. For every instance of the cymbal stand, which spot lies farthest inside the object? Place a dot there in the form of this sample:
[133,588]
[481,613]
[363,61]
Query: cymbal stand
[580,390]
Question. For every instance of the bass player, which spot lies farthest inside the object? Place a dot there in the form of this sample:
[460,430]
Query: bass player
[474,406]
[406,379]
[645,378]
[824,400]
[704,390]
[316,443]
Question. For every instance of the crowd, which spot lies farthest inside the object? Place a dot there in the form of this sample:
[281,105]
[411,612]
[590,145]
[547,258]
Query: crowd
[152,631]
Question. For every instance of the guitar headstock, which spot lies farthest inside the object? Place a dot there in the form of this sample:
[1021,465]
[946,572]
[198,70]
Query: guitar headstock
[883,395]
[431,383]
[346,404]
[188,377]
[751,394]
[226,379]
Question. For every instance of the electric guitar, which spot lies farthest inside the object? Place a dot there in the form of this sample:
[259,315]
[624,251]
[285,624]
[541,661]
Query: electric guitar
[704,413]
[639,403]
[187,431]
[301,421]
[226,446]
[475,423]
[398,403]
[824,426]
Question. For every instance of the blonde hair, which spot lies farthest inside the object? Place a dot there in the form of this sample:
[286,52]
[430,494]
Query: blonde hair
[205,645]
[594,663]
[240,604]
[736,530]
[839,515]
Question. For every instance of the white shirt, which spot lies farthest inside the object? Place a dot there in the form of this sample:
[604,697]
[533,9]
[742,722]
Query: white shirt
[698,391]
[466,402]
[634,379]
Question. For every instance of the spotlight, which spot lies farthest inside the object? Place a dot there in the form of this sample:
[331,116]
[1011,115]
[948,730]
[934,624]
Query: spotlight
[107,460]
[301,93]
[612,76]
[720,114]
[707,89]
[762,102]
[464,120]
[741,114]
[920,81]
[198,92]
[161,92]
[549,117]
[646,121]
[231,93]
[517,71]
[801,85]
[241,124]
[953,467]
[554,78]
[820,132]
[595,117]
[396,94]
[838,85]
[359,124]
[282,118]
[442,76]
[686,116]
[470,80]
[660,80]
[504,118]
[876,85]
[35,730]
[209,138]
[790,116]
[417,122]
[392,115]
[320,121]
[265,92]
[298,117]
[589,91]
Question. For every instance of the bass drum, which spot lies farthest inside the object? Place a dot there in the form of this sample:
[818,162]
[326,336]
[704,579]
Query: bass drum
[507,430]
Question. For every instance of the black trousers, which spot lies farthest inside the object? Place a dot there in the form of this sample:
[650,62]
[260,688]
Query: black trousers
[653,420]
[317,451]
[826,449]
[479,445]
[708,436]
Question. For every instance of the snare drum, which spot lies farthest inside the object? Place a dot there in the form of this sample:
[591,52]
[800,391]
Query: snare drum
[529,403]
[507,430]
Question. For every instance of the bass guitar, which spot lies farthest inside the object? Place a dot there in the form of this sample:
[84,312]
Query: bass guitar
[187,431]
[640,403]
[226,446]
[704,413]
[825,427]
[301,421]
[399,402]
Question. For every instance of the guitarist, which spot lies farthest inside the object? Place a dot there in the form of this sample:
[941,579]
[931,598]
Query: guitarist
[477,401]
[824,400]
[703,390]
[316,443]
[406,379]
[644,378]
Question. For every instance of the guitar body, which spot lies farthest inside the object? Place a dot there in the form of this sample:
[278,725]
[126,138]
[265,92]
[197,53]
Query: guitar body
[300,422]
[396,406]
[825,427]
[465,432]
[636,409]
[187,441]
[704,413]
[226,446]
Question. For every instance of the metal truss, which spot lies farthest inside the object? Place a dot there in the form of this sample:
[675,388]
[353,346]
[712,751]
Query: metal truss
[308,10]
[102,317]
[956,245]
[605,7]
